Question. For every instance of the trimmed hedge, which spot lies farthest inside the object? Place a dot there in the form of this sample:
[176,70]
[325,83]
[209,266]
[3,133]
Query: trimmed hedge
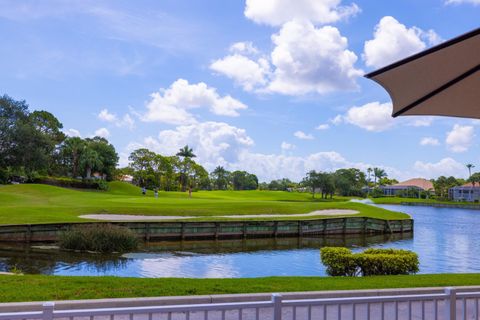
[342,262]
[99,238]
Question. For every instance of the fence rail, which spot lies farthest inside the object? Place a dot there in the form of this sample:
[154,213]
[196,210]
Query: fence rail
[448,305]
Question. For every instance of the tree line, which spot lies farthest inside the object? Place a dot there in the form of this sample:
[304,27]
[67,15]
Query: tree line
[33,145]
[180,173]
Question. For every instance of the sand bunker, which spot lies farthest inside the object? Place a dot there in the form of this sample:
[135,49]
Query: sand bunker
[128,217]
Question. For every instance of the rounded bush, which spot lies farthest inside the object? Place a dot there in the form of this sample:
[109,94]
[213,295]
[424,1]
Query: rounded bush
[342,262]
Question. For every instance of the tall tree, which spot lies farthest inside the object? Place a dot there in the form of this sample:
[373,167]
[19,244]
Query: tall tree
[107,154]
[221,178]
[141,160]
[469,167]
[378,174]
[243,180]
[89,161]
[186,154]
[70,152]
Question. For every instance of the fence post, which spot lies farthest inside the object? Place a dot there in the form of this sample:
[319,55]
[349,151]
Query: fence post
[47,310]
[277,306]
[450,304]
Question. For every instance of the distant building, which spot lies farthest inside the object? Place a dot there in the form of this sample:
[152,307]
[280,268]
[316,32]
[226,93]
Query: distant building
[126,178]
[417,184]
[467,192]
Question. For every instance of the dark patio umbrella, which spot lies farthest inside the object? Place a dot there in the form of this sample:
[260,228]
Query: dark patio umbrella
[443,80]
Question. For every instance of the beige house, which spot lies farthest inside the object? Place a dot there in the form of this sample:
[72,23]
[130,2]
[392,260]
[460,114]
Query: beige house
[418,184]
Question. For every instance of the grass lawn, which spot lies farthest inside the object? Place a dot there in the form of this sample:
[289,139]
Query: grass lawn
[398,200]
[31,203]
[43,288]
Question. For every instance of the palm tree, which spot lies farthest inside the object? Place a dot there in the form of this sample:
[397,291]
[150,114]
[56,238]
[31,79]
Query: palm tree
[186,153]
[469,167]
[378,173]
[221,177]
[90,160]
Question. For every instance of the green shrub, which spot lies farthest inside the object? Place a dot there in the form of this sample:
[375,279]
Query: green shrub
[377,193]
[387,262]
[342,262]
[339,261]
[99,238]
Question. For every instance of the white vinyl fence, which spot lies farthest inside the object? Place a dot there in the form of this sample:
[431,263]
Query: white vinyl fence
[448,305]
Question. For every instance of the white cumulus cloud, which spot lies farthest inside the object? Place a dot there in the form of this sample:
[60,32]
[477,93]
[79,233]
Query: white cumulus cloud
[245,71]
[309,59]
[172,105]
[72,133]
[429,141]
[218,143]
[125,121]
[324,126]
[460,138]
[373,116]
[305,59]
[393,41]
[214,143]
[277,12]
[287,146]
[444,167]
[303,136]
[102,132]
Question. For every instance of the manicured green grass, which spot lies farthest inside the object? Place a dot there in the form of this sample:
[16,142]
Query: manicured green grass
[398,200]
[43,288]
[30,203]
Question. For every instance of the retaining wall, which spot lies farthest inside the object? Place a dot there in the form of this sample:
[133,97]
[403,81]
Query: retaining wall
[219,230]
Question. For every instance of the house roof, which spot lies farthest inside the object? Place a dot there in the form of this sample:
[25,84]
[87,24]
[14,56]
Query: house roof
[416,182]
[469,185]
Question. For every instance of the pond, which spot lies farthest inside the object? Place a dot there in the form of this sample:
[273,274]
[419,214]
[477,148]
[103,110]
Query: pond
[446,240]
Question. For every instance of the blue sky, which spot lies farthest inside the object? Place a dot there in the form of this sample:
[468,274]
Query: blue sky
[273,87]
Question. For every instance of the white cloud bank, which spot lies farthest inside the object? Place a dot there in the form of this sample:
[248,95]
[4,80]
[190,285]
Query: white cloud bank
[218,143]
[277,12]
[172,105]
[444,167]
[460,138]
[393,41]
[305,59]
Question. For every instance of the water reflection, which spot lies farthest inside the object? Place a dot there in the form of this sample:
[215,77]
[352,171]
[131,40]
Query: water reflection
[205,259]
[446,240]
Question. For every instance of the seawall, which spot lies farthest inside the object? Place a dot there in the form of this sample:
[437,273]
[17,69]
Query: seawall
[150,231]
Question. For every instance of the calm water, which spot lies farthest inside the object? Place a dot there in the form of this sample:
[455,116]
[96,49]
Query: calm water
[447,240]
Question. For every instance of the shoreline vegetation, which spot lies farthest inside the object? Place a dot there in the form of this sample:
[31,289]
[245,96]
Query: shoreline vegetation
[19,288]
